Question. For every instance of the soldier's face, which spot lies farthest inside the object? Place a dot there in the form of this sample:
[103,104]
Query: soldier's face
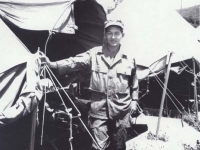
[113,36]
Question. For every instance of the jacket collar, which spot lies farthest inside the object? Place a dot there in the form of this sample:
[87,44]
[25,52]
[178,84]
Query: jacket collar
[106,55]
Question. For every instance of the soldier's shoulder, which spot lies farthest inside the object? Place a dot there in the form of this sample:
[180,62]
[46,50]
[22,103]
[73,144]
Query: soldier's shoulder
[96,49]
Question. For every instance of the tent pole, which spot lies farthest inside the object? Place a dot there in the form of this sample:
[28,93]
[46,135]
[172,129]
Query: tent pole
[163,95]
[167,107]
[33,129]
[33,126]
[195,88]
[188,100]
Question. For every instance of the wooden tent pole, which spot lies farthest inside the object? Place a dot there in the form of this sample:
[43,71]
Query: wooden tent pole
[33,126]
[163,95]
[33,129]
[195,88]
[189,99]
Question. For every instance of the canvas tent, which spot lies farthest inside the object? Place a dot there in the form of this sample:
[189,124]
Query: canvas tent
[9,59]
[153,30]
[180,84]
[91,21]
[19,78]
[89,17]
[25,15]
[87,22]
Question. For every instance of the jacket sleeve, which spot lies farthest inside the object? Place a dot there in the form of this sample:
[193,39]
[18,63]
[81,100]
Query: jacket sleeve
[72,64]
[135,84]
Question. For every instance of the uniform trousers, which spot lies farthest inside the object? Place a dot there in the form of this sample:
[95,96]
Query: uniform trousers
[109,134]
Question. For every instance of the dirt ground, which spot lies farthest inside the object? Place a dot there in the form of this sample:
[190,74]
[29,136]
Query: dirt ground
[16,136]
[176,133]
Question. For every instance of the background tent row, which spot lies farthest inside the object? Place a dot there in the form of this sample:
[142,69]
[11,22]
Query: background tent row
[180,94]
[152,32]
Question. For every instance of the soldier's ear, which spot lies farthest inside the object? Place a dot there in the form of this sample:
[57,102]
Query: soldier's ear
[123,34]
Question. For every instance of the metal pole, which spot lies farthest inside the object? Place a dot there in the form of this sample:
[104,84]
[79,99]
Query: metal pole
[163,95]
[195,88]
[33,129]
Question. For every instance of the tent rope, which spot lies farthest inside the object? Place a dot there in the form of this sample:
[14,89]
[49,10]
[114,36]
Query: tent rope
[58,91]
[45,51]
[157,78]
[43,113]
[160,83]
[162,86]
[173,96]
[69,114]
[79,114]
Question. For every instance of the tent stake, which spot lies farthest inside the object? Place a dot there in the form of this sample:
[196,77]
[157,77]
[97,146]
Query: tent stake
[163,95]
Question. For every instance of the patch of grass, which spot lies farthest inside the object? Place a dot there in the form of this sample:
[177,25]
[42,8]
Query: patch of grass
[191,119]
[188,147]
[162,137]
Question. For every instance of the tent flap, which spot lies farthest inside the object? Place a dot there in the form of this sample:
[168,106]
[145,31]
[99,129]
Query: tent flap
[13,51]
[152,30]
[54,15]
[30,95]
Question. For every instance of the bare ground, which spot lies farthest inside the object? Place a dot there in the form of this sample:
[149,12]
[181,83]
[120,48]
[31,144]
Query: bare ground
[177,133]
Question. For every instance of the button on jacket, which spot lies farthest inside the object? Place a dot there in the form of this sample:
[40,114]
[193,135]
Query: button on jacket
[110,80]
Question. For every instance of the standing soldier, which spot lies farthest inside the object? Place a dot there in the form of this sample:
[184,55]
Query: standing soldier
[113,86]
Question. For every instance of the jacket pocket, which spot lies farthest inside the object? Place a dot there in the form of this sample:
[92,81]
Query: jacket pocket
[123,75]
[124,71]
[100,69]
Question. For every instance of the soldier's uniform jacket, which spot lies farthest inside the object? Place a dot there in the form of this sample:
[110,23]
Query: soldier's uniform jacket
[110,80]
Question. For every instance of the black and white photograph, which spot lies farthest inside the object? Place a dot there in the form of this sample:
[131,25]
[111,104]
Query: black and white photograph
[99,75]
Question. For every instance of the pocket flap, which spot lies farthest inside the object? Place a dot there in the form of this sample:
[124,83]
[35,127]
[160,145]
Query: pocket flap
[98,68]
[124,70]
